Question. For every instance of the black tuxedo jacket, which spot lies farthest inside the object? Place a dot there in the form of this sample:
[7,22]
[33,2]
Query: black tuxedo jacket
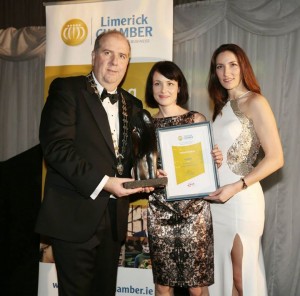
[78,151]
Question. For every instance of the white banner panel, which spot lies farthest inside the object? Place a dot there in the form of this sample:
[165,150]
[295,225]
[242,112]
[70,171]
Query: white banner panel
[72,29]
[131,281]
[134,281]
[47,280]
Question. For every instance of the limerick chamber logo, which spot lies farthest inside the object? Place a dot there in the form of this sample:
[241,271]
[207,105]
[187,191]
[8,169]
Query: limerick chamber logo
[74,32]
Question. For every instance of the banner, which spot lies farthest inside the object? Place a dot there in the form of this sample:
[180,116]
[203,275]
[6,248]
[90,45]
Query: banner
[71,30]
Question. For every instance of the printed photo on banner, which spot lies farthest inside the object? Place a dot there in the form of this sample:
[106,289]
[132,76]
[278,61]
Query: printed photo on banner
[135,252]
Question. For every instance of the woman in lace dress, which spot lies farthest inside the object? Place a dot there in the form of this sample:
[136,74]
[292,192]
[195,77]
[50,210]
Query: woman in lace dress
[180,232]
[243,122]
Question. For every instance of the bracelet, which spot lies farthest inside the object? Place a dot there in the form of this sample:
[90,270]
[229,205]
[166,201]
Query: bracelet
[245,186]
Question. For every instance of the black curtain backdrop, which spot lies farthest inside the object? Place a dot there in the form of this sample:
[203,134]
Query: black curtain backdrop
[22,13]
[20,199]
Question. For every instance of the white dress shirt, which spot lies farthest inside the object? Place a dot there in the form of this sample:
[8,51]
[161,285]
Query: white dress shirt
[112,111]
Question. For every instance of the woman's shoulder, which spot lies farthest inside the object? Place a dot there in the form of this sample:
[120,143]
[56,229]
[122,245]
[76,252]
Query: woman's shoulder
[198,117]
[255,100]
[254,104]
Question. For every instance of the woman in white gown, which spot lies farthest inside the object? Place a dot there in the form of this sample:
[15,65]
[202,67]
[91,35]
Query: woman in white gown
[243,123]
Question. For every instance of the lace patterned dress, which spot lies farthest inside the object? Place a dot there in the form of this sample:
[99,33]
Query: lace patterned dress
[180,233]
[243,214]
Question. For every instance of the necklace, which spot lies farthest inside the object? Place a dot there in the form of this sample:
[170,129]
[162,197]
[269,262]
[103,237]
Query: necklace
[120,152]
[241,96]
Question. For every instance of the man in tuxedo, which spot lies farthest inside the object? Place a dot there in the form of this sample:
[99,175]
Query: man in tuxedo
[86,144]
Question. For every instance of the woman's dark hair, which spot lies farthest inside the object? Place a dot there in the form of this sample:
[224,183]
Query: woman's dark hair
[171,71]
[216,91]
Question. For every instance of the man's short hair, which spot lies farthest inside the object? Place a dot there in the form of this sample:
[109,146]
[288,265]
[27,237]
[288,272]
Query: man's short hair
[107,33]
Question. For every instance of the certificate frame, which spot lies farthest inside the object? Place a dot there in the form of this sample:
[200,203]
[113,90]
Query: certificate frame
[185,152]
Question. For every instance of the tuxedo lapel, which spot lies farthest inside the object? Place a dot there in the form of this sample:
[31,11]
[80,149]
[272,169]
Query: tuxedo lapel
[99,115]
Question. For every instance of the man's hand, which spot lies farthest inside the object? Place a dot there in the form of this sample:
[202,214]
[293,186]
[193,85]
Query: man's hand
[114,185]
[161,173]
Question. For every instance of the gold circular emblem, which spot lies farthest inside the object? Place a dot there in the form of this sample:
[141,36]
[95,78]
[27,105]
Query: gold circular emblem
[74,32]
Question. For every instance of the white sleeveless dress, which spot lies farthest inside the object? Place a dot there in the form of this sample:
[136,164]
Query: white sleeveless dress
[244,213]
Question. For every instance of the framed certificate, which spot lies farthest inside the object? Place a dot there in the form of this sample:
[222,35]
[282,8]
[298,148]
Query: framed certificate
[186,157]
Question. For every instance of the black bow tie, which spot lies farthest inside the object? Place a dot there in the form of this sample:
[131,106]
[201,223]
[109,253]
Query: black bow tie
[112,97]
